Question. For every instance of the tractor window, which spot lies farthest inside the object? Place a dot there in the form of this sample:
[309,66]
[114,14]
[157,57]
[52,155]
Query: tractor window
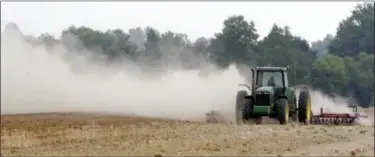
[270,78]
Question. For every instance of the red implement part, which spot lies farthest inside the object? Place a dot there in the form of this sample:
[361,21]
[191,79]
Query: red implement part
[335,118]
[334,115]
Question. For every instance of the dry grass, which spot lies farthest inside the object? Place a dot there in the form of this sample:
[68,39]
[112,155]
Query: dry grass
[88,134]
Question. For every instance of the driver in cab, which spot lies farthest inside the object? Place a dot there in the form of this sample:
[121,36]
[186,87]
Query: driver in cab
[271,81]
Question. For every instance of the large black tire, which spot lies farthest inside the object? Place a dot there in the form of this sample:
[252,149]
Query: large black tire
[294,115]
[304,108]
[283,111]
[247,111]
[240,101]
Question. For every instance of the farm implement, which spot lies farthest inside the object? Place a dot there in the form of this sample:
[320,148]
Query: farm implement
[337,118]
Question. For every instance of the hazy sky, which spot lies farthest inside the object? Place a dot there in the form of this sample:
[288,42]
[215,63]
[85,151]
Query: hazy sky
[311,20]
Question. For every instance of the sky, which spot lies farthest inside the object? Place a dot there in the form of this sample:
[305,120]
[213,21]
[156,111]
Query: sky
[310,20]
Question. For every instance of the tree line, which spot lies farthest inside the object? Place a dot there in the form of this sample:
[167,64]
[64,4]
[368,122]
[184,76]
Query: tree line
[342,63]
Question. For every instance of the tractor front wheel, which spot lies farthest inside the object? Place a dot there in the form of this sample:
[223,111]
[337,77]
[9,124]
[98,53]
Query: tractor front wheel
[240,101]
[283,111]
[247,110]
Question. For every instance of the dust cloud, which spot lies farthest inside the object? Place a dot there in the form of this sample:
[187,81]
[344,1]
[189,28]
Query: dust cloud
[38,79]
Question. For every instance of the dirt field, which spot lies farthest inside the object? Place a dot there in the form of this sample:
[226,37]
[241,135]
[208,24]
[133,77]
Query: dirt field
[88,134]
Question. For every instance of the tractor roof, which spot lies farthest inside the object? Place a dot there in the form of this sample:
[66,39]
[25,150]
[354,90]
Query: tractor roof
[272,68]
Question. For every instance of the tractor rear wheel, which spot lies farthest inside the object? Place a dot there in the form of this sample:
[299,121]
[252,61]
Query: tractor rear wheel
[304,107]
[283,111]
[240,101]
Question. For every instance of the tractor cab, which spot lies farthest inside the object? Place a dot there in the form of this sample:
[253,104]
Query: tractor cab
[269,79]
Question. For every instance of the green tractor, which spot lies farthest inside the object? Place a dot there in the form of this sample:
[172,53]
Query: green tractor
[271,96]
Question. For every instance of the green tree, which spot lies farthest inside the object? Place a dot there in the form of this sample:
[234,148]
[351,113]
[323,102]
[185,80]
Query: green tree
[330,75]
[138,37]
[361,78]
[281,48]
[356,33]
[201,46]
[236,43]
[321,46]
[153,52]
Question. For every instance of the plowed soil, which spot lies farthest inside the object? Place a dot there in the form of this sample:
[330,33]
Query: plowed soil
[93,134]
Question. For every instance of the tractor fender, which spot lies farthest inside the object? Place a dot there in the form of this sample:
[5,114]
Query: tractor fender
[299,87]
[247,87]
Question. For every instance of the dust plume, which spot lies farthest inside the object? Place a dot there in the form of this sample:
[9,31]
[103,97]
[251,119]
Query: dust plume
[40,79]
